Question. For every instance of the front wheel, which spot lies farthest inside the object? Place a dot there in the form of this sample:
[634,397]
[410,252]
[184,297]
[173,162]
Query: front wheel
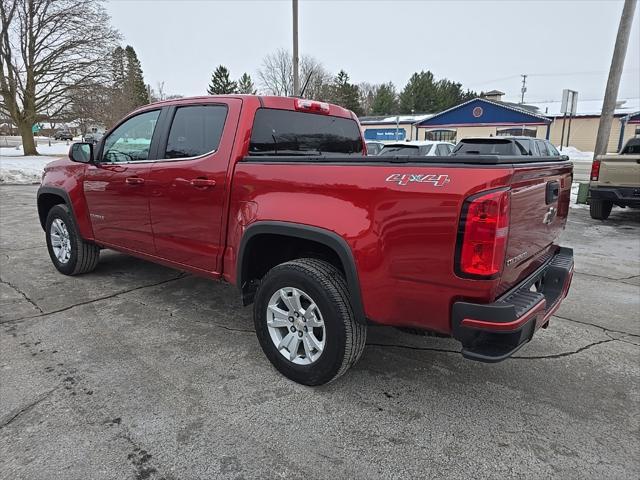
[304,322]
[69,253]
[600,209]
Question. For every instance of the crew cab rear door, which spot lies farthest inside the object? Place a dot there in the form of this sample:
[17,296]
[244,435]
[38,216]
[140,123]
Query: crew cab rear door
[188,182]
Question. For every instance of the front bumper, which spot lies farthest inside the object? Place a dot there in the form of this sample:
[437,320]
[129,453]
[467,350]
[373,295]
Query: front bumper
[495,331]
[628,196]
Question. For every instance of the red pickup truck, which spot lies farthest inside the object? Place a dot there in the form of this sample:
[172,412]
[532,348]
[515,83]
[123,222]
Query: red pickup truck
[276,196]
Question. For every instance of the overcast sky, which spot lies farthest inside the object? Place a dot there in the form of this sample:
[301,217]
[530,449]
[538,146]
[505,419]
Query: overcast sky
[484,45]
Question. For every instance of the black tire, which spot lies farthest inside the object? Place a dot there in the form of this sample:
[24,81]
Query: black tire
[345,337]
[84,256]
[600,209]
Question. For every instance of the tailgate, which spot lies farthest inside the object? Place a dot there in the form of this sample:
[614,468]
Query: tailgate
[619,170]
[540,197]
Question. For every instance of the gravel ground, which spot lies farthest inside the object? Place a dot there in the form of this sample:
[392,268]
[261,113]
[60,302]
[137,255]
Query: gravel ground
[140,372]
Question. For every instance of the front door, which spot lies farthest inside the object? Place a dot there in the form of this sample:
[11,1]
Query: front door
[116,187]
[188,183]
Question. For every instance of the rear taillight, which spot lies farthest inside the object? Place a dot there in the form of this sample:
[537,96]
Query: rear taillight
[595,170]
[482,240]
[312,106]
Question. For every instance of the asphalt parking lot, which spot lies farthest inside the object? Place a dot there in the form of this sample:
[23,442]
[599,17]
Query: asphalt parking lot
[137,371]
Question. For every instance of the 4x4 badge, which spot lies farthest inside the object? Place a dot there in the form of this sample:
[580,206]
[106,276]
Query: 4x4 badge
[406,178]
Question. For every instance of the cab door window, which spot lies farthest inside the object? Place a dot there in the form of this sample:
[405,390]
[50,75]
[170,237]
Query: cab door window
[195,130]
[131,141]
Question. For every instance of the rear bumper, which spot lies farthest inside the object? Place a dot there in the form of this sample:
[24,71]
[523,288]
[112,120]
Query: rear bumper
[629,196]
[495,331]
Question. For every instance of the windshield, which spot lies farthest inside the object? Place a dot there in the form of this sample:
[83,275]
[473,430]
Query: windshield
[285,132]
[404,150]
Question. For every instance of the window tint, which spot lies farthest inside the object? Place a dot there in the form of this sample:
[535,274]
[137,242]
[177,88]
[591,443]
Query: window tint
[442,150]
[195,130]
[553,151]
[482,146]
[425,149]
[284,132]
[542,148]
[525,147]
[400,151]
[130,142]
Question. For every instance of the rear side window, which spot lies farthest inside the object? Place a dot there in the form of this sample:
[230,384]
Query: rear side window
[442,150]
[285,132]
[553,151]
[542,148]
[195,130]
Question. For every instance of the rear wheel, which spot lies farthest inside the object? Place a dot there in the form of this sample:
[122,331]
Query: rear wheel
[69,253]
[305,324]
[600,209]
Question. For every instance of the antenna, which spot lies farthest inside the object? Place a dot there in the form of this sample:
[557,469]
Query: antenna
[306,82]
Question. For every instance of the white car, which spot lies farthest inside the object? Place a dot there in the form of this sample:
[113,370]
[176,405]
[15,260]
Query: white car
[426,148]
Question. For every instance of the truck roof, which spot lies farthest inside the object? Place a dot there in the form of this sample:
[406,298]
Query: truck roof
[266,101]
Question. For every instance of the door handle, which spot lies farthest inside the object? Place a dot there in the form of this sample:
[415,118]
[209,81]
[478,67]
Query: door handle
[134,181]
[202,182]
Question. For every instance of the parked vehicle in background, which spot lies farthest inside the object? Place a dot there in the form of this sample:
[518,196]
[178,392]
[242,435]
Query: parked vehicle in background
[506,146]
[92,137]
[275,196]
[374,148]
[615,180]
[63,135]
[426,148]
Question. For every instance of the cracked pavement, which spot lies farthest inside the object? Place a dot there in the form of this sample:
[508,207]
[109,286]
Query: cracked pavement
[142,372]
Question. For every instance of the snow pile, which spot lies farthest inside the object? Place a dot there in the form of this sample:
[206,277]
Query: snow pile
[59,149]
[574,154]
[23,170]
[15,168]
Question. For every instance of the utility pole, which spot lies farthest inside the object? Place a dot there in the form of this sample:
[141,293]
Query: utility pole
[296,78]
[524,87]
[613,83]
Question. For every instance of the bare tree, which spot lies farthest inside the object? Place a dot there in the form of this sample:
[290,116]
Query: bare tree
[49,48]
[276,75]
[368,94]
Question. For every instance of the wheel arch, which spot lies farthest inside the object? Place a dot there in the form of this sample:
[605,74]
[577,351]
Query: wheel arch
[47,198]
[330,241]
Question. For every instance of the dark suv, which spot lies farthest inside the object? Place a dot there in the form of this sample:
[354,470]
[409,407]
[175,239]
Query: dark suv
[506,146]
[63,135]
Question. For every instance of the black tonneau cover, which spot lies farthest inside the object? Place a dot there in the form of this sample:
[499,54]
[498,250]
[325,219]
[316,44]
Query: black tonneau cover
[451,160]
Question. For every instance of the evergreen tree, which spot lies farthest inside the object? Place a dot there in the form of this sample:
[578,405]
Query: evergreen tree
[346,94]
[420,94]
[385,101]
[424,94]
[134,81]
[245,85]
[117,67]
[221,83]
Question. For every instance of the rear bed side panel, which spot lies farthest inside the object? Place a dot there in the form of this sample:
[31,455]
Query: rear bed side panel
[619,171]
[535,225]
[402,236]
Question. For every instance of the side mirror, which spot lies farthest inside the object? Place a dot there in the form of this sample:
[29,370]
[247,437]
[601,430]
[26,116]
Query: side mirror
[564,157]
[81,152]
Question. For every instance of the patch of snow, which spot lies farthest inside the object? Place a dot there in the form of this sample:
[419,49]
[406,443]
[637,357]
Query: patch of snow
[23,170]
[59,149]
[574,154]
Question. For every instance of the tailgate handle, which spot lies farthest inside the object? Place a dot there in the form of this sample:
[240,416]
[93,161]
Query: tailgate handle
[552,193]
